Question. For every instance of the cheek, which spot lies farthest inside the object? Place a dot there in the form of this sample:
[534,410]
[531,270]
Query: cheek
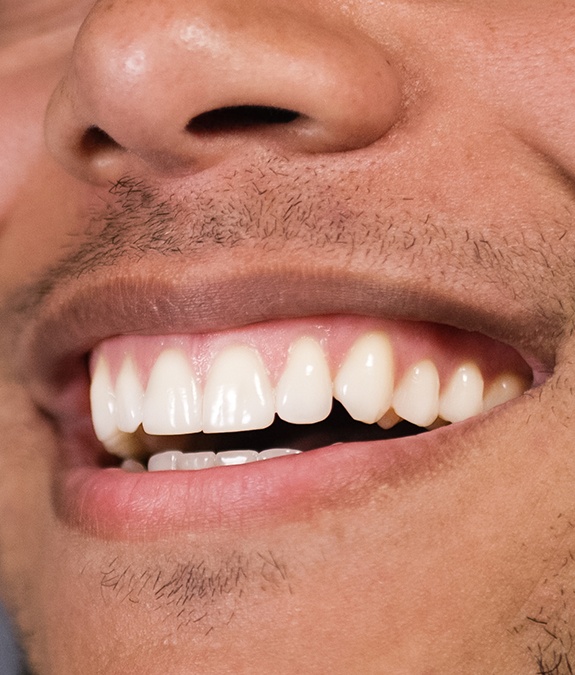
[36,224]
[36,196]
[25,96]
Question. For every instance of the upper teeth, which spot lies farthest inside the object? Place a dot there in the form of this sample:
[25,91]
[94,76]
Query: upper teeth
[181,394]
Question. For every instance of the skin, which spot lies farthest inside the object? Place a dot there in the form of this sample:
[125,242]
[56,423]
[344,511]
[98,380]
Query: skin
[437,137]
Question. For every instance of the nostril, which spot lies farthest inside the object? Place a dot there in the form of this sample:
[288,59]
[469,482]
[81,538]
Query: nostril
[95,139]
[232,118]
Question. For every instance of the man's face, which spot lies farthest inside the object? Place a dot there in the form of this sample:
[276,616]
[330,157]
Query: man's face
[214,213]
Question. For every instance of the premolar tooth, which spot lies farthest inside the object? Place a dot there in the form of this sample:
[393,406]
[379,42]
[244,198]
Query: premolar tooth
[238,395]
[172,403]
[103,402]
[164,461]
[364,384]
[503,389]
[278,452]
[129,398]
[235,457]
[304,392]
[463,396]
[416,399]
[193,461]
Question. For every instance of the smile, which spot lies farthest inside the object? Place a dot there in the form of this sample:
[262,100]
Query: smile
[169,416]
[159,401]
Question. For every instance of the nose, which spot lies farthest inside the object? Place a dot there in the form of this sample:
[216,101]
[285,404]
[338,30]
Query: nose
[177,86]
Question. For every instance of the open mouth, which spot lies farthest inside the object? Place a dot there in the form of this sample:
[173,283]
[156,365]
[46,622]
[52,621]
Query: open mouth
[265,410]
[183,402]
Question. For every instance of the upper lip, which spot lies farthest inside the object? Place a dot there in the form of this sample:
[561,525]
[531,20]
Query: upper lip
[74,318]
[137,289]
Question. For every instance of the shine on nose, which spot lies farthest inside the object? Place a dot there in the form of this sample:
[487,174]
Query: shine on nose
[177,87]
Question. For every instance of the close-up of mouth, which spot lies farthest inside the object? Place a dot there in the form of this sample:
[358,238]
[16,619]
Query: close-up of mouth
[214,425]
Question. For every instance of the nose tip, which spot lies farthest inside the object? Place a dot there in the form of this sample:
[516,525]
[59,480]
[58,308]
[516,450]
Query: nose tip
[178,87]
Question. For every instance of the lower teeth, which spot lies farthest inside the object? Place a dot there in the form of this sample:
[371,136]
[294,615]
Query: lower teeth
[204,451]
[175,460]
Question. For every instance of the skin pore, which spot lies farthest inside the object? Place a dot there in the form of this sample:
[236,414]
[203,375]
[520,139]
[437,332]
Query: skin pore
[202,167]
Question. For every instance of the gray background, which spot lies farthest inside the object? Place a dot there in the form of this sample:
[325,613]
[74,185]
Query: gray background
[9,655]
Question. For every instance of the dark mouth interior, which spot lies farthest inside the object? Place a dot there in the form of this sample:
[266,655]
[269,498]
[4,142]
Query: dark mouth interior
[337,428]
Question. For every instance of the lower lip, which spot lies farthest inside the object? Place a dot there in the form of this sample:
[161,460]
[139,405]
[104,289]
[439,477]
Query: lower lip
[115,504]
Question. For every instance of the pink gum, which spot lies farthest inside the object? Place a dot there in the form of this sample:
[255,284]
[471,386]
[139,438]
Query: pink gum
[447,347]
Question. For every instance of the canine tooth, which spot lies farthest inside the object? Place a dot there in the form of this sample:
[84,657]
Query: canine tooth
[304,392]
[364,383]
[103,402]
[238,395]
[235,457]
[172,402]
[278,452]
[463,396]
[129,398]
[164,461]
[192,461]
[503,389]
[389,419]
[416,399]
